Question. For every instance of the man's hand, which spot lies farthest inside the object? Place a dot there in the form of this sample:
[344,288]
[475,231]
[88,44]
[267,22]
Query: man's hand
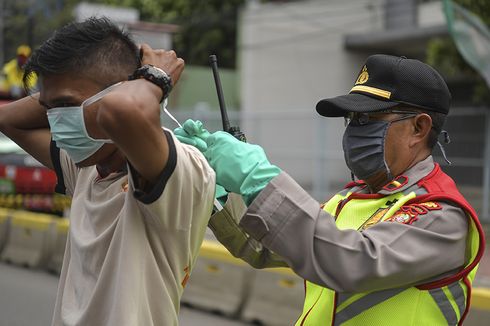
[165,60]
[130,116]
[240,167]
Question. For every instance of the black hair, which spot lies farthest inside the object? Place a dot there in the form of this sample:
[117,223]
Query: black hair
[95,48]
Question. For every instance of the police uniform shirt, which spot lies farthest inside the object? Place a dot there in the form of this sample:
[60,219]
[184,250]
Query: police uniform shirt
[291,224]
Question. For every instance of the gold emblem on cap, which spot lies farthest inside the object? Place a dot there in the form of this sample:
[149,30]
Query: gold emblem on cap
[363,76]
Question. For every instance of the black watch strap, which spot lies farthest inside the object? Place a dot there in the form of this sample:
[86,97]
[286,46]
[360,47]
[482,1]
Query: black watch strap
[155,75]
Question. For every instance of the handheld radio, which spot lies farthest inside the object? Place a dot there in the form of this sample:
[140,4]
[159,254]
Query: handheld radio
[235,130]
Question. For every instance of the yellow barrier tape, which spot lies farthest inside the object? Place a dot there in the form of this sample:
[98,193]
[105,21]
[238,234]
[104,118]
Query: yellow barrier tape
[30,220]
[480,298]
[62,225]
[4,214]
[215,250]
[48,202]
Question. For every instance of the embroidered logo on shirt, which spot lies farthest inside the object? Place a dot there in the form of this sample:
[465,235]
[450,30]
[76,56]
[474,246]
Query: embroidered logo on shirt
[409,213]
[186,276]
[125,186]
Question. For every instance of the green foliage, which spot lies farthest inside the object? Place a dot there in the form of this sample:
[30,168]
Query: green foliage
[32,22]
[443,54]
[206,27]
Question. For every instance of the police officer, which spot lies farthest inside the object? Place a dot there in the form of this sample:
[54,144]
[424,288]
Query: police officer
[397,246]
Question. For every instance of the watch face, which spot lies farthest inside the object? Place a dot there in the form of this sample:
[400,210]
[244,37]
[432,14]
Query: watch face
[155,75]
[158,71]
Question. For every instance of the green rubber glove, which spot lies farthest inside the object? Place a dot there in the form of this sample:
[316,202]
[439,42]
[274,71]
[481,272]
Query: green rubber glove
[221,194]
[240,167]
[193,133]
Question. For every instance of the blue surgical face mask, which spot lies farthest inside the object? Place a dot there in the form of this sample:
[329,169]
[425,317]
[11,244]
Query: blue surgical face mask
[364,147]
[69,132]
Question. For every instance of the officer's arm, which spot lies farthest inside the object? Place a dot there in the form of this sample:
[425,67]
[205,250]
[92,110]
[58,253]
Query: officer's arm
[291,223]
[224,225]
[25,122]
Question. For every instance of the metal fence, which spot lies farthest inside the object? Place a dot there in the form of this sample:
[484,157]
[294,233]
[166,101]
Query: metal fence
[308,147]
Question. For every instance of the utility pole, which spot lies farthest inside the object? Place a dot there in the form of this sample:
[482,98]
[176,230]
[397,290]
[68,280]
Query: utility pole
[2,14]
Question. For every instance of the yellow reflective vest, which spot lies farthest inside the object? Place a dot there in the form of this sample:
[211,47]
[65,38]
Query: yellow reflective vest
[444,302]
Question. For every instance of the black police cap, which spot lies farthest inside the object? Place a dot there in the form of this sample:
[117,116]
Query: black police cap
[386,81]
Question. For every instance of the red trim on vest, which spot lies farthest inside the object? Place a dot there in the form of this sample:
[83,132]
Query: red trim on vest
[334,310]
[468,301]
[304,286]
[313,306]
[441,187]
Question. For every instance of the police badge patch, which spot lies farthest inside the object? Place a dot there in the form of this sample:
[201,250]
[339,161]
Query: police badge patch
[410,213]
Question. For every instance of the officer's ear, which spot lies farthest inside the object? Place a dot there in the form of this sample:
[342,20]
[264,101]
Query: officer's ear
[421,126]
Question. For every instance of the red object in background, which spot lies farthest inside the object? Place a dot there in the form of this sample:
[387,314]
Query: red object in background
[29,180]
[2,101]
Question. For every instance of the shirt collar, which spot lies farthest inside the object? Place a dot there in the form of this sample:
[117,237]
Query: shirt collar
[409,177]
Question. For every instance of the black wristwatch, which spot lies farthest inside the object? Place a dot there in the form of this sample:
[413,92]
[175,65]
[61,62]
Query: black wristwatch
[155,75]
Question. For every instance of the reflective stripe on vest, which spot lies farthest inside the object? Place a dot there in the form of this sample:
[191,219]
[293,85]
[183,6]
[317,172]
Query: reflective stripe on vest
[444,303]
[364,303]
[437,306]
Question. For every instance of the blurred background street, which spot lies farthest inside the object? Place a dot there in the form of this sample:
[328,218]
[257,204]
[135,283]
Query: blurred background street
[27,297]
[277,58]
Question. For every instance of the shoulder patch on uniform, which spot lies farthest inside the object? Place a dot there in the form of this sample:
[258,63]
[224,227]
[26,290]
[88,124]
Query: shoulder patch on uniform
[396,184]
[410,213]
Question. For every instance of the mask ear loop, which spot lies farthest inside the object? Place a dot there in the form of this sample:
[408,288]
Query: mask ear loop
[92,100]
[164,106]
[447,140]
[99,95]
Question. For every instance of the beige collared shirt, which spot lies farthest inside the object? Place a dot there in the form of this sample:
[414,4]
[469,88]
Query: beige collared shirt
[129,254]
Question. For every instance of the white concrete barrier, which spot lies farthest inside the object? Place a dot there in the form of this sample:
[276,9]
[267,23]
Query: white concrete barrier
[218,282]
[276,297]
[31,239]
[56,259]
[4,226]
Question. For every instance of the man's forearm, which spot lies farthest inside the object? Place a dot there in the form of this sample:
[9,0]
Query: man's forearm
[23,114]
[25,122]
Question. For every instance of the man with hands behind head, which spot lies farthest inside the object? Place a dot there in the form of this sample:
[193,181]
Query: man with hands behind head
[141,200]
[399,245]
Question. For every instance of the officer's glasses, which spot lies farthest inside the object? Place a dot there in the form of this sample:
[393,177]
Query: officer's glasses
[364,118]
